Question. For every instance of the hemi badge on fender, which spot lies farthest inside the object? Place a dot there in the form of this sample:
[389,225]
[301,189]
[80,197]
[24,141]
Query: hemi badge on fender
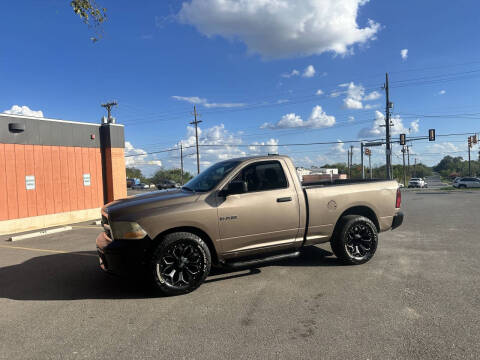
[225,218]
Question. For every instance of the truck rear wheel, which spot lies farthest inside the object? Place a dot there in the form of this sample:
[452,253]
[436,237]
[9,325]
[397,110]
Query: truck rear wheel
[180,263]
[355,239]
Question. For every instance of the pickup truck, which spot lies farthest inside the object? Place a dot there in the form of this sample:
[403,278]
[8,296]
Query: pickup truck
[239,213]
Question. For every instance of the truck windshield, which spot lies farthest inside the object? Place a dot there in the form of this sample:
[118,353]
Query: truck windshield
[209,178]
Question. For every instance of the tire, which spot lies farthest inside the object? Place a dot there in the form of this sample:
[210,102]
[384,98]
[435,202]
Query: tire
[462,186]
[180,263]
[355,239]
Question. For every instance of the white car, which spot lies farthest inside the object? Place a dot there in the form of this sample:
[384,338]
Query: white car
[416,183]
[467,182]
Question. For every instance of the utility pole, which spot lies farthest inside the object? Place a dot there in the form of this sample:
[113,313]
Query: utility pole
[388,149]
[404,169]
[109,106]
[348,162]
[196,122]
[469,159]
[408,155]
[351,162]
[415,168]
[370,164]
[181,163]
[361,160]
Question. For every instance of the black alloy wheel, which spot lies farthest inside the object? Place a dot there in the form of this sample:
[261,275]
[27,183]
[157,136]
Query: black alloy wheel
[359,240]
[180,263]
[355,239]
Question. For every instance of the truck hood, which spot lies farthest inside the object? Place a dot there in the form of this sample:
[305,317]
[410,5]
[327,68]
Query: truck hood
[144,202]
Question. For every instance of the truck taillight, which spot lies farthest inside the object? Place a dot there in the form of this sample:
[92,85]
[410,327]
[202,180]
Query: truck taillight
[398,201]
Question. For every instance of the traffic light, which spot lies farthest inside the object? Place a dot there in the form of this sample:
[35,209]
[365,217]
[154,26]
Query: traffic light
[469,141]
[474,139]
[403,139]
[431,135]
[368,152]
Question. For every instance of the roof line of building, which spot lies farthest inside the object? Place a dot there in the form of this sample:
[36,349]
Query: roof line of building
[48,119]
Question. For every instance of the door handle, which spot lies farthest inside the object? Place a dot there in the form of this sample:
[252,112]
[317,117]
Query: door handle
[284,199]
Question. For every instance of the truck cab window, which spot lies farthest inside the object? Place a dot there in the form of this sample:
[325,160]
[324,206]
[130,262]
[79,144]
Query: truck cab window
[267,175]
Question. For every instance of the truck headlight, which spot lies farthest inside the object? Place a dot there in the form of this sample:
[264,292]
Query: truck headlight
[127,230]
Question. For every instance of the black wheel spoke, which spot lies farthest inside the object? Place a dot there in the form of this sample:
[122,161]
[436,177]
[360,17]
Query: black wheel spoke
[181,264]
[359,240]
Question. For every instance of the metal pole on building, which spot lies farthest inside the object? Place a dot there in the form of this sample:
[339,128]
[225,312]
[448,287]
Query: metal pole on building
[181,163]
[388,150]
[196,122]
[109,106]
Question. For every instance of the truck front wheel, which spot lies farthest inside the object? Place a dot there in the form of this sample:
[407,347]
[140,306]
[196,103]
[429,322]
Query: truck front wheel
[355,239]
[180,263]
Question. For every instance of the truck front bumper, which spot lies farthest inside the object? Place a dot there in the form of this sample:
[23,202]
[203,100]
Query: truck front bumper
[121,257]
[397,220]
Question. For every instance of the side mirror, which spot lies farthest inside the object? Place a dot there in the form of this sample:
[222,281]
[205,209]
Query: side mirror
[235,187]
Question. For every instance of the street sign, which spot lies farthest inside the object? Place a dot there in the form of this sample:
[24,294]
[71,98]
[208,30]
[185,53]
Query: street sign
[30,182]
[378,143]
[86,179]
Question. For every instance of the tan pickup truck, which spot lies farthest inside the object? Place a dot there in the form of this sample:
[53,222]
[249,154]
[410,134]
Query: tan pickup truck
[241,212]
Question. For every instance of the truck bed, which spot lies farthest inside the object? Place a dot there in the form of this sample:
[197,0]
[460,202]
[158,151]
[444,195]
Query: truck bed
[310,185]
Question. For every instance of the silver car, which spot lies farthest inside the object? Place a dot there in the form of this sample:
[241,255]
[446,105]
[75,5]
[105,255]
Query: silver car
[467,182]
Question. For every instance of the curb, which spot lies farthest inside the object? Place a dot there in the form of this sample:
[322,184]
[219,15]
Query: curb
[40,233]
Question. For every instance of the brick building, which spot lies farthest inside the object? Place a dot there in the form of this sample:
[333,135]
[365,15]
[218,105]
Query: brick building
[55,172]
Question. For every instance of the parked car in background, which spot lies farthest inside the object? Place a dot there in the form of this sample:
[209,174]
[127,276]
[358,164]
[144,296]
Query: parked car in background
[467,182]
[130,182]
[140,186]
[416,183]
[167,184]
[457,179]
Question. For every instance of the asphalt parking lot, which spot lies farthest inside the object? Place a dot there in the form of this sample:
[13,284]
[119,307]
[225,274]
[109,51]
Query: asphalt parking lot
[419,298]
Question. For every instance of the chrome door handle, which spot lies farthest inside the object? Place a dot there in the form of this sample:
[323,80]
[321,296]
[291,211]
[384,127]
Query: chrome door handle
[284,199]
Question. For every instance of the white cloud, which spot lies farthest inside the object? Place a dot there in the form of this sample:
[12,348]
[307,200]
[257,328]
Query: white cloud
[23,110]
[282,28]
[443,148]
[351,119]
[442,92]
[318,119]
[338,148]
[319,92]
[404,54]
[356,95]
[204,102]
[378,126]
[272,149]
[374,95]
[140,159]
[309,71]
[294,72]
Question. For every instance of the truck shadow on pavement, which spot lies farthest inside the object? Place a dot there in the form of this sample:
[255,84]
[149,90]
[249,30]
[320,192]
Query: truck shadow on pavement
[76,276]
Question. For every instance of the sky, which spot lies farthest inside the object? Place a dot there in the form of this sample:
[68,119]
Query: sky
[262,74]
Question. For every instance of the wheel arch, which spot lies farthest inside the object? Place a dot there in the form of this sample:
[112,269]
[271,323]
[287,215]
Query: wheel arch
[191,229]
[361,210]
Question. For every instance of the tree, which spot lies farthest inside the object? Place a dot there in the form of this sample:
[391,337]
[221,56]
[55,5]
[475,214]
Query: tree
[171,174]
[91,14]
[134,173]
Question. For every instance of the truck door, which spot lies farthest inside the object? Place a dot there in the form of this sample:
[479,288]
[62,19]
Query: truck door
[267,214]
